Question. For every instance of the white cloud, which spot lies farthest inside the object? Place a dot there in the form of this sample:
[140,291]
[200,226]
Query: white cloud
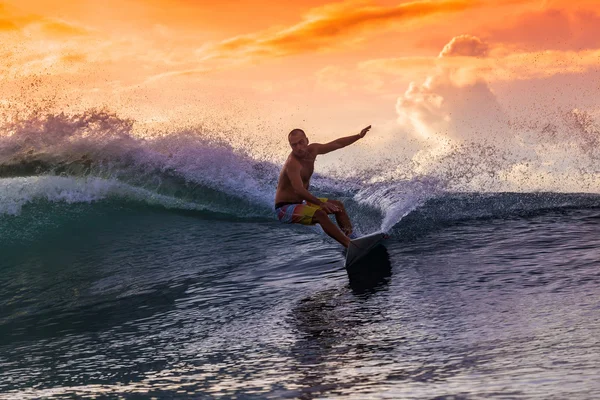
[440,107]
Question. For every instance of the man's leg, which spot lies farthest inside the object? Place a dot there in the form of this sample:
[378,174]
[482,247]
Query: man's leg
[342,218]
[329,227]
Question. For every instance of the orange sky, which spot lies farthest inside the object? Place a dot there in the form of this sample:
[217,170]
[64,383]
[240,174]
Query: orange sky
[412,69]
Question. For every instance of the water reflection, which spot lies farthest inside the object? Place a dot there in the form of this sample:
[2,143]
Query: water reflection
[322,345]
[330,325]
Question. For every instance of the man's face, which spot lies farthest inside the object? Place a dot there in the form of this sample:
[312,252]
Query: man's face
[299,142]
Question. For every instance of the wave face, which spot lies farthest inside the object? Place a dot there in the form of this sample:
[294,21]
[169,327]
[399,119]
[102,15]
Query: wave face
[96,156]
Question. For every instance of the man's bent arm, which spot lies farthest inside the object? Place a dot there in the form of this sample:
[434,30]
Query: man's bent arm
[293,172]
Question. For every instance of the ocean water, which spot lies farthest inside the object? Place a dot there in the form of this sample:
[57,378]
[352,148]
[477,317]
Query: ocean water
[144,268]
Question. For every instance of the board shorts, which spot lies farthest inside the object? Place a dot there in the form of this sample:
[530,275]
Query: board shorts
[301,213]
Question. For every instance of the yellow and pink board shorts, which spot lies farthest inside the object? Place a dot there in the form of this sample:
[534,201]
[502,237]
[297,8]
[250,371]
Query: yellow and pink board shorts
[300,213]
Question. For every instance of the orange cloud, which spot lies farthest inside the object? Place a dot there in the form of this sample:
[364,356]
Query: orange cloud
[9,21]
[15,19]
[326,28]
[330,27]
[60,28]
[6,25]
[562,29]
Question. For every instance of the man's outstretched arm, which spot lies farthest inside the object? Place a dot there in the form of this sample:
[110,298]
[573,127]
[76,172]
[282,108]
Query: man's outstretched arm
[341,142]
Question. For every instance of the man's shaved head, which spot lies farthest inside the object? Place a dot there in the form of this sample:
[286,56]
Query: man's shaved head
[295,132]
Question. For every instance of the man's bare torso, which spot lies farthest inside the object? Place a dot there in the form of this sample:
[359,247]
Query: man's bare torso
[285,191]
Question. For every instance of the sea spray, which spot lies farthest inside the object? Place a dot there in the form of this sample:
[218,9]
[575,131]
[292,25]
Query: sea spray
[398,199]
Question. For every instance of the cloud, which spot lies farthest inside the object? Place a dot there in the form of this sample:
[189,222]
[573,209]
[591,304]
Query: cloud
[322,29]
[328,28]
[48,28]
[61,28]
[441,109]
[465,45]
[13,19]
[7,25]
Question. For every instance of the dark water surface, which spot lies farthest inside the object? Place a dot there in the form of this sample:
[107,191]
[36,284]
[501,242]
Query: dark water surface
[117,299]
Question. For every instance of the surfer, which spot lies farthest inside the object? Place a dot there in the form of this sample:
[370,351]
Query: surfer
[294,204]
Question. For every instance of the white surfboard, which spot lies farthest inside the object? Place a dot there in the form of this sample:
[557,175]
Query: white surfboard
[361,246]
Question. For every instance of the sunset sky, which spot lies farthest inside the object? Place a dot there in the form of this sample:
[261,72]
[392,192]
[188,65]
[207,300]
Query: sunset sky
[415,70]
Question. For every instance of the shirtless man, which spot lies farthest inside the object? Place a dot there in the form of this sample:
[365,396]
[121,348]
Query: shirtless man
[295,204]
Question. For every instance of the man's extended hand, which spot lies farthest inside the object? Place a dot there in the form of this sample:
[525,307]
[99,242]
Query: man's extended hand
[364,132]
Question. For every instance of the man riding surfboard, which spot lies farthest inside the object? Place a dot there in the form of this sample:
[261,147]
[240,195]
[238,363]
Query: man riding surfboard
[295,204]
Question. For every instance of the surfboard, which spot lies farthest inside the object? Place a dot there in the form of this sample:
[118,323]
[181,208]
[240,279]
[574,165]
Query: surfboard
[361,246]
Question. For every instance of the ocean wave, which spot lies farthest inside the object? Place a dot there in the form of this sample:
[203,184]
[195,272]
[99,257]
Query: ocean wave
[95,156]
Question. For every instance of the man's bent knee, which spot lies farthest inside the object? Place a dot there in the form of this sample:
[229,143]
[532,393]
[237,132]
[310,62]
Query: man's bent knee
[319,216]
